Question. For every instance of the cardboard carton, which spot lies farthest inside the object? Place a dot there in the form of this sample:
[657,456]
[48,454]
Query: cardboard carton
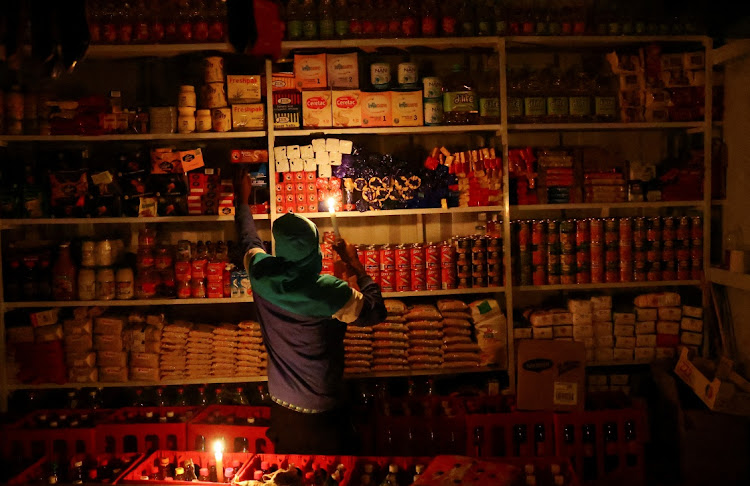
[551,375]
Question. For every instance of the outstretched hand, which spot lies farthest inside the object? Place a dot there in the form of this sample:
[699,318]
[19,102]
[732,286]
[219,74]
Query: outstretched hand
[348,254]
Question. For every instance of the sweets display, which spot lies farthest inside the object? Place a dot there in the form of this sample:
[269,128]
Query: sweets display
[655,326]
[451,335]
[609,250]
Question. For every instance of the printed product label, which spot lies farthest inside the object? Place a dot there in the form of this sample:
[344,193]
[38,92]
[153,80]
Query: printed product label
[605,106]
[515,107]
[489,107]
[557,105]
[433,112]
[460,101]
[327,28]
[580,105]
[565,393]
[535,106]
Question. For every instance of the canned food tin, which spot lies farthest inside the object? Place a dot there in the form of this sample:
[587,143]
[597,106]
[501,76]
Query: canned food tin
[495,269]
[416,256]
[653,275]
[432,278]
[669,271]
[479,245]
[326,249]
[327,268]
[583,258]
[653,254]
[494,256]
[626,272]
[463,283]
[361,254]
[539,275]
[568,279]
[403,257]
[433,87]
[611,238]
[682,251]
[388,281]
[403,280]
[696,227]
[387,258]
[372,257]
[433,112]
[481,258]
[626,253]
[432,255]
[463,270]
[447,255]
[669,228]
[495,243]
[463,259]
[329,237]
[611,276]
[696,253]
[625,227]
[553,279]
[213,69]
[697,263]
[380,75]
[583,232]
[479,282]
[221,119]
[524,233]
[683,228]
[683,274]
[539,257]
[538,232]
[597,274]
[479,270]
[639,244]
[596,228]
[611,225]
[418,279]
[696,274]
[463,244]
[448,278]
[495,281]
[583,278]
[407,74]
[611,256]
[654,229]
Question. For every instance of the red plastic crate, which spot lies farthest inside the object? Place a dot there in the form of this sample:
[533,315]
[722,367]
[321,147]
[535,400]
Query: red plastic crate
[127,430]
[32,473]
[507,470]
[28,475]
[406,468]
[200,459]
[201,426]
[492,434]
[305,463]
[24,439]
[624,450]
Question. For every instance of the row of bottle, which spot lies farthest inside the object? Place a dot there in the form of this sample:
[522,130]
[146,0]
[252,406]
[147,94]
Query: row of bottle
[331,19]
[144,22]
[104,469]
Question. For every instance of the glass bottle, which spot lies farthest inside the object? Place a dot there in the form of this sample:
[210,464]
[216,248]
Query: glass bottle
[429,16]
[489,92]
[326,19]
[611,455]
[341,19]
[64,275]
[239,397]
[355,26]
[465,19]
[202,400]
[483,20]
[520,440]
[199,17]
[605,100]
[541,17]
[554,16]
[171,16]
[539,440]
[410,19]
[366,19]
[449,10]
[631,456]
[141,24]
[460,103]
[528,18]
[125,23]
[558,109]
[219,396]
[589,452]
[216,19]
[309,20]
[580,95]
[534,102]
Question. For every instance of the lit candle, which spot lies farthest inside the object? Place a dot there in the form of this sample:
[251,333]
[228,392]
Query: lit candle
[218,450]
[332,210]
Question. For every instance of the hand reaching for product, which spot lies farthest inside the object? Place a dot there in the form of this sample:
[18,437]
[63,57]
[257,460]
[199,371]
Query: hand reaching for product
[348,254]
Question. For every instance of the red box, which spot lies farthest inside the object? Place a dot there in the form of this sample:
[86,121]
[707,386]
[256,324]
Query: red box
[299,176]
[311,188]
[323,195]
[322,183]
[624,474]
[200,426]
[299,187]
[288,176]
[248,156]
[312,208]
[667,340]
[35,471]
[300,208]
[26,439]
[289,188]
[280,188]
[483,440]
[290,198]
[311,176]
[129,426]
[200,459]
[280,198]
[280,208]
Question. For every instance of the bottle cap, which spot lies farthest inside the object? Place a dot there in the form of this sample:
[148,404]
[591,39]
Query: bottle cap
[236,464]
[78,464]
[554,468]
[393,469]
[164,461]
[203,471]
[228,471]
[179,470]
[258,475]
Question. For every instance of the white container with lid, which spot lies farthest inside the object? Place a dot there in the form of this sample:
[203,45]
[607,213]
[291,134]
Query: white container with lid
[87,284]
[105,284]
[186,120]
[203,121]
[187,97]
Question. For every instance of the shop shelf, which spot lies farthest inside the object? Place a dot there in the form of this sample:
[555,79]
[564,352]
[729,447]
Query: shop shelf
[600,206]
[603,286]
[726,278]
[124,303]
[134,137]
[732,50]
[389,130]
[437,293]
[373,44]
[429,372]
[100,384]
[403,212]
[577,41]
[11,223]
[101,51]
[201,428]
[596,127]
[201,459]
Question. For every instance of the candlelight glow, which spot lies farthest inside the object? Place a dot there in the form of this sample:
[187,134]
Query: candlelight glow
[218,447]
[331,205]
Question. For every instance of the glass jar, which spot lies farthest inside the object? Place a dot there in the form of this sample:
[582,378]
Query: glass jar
[88,256]
[105,284]
[144,258]
[105,254]
[198,289]
[183,289]
[87,284]
[146,283]
[64,275]
[124,284]
[146,238]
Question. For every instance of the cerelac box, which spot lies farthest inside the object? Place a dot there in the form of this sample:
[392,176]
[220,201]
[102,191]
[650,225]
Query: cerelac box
[316,109]
[551,375]
[310,71]
[376,109]
[343,70]
[408,110]
[347,108]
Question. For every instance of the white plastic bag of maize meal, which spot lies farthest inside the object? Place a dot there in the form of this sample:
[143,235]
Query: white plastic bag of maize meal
[491,332]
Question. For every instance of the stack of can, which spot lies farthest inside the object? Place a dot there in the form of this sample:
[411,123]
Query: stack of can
[608,250]
[326,249]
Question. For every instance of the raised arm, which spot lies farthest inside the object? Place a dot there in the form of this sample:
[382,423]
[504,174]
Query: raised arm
[247,233]
[366,306]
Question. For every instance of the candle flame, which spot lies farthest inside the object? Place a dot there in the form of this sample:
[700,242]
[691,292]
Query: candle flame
[219,447]
[331,205]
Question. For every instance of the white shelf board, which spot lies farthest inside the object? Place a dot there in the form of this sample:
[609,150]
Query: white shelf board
[10,223]
[437,293]
[402,212]
[594,127]
[105,51]
[134,137]
[426,130]
[624,205]
[372,44]
[123,303]
[726,278]
[561,41]
[602,286]
[247,379]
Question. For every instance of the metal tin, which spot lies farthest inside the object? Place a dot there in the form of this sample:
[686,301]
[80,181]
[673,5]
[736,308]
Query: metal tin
[654,229]
[407,74]
[448,278]
[479,282]
[683,228]
[380,75]
[494,256]
[538,232]
[388,281]
[432,278]
[524,233]
[696,227]
[403,257]
[387,258]
[326,249]
[539,257]
[416,256]
[418,279]
[447,255]
[479,270]
[432,255]
[625,228]
[669,228]
[495,280]
[611,276]
[463,282]
[583,232]
[432,87]
[433,112]
[596,229]
[539,275]
[403,280]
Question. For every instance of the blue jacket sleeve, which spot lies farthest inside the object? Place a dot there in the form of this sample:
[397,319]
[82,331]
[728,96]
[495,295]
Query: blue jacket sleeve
[246,231]
[373,310]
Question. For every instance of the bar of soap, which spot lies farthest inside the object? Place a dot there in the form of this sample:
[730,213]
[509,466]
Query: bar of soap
[605,341]
[623,354]
[645,340]
[112,358]
[583,331]
[668,327]
[691,324]
[76,326]
[624,330]
[645,327]
[690,311]
[307,151]
[691,338]
[579,306]
[645,354]
[625,342]
[562,331]
[623,318]
[601,315]
[603,329]
[543,333]
[646,314]
[582,319]
[522,333]
[601,302]
[109,325]
[605,354]
[664,353]
[670,313]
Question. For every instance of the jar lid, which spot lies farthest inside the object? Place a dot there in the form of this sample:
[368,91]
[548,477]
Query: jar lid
[187,87]
[203,112]
[186,111]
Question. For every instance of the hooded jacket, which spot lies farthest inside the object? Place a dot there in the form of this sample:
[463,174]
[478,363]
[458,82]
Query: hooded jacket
[303,314]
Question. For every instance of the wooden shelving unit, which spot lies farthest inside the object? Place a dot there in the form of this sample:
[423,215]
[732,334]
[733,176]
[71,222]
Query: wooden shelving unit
[418,224]
[729,279]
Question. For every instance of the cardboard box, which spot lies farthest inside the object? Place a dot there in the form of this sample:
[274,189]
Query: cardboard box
[343,70]
[551,375]
[347,108]
[316,109]
[248,117]
[377,109]
[282,81]
[407,108]
[243,88]
[310,71]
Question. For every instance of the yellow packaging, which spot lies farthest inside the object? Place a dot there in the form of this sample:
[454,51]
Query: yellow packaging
[347,108]
[343,70]
[376,109]
[316,109]
[407,108]
[310,71]
[251,116]
[243,88]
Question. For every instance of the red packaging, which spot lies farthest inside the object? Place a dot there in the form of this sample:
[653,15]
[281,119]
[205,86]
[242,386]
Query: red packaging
[215,271]
[288,176]
[696,228]
[432,256]
[403,280]
[626,229]
[538,233]
[298,176]
[301,207]
[327,250]
[387,258]
[447,255]
[667,340]
[524,233]
[416,256]
[327,267]
[311,176]
[215,290]
[432,278]
[597,273]
[583,277]
[448,278]
[418,280]
[183,288]
[403,257]
[182,270]
[248,156]
[388,281]
[539,275]
[289,188]
[596,228]
[696,252]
